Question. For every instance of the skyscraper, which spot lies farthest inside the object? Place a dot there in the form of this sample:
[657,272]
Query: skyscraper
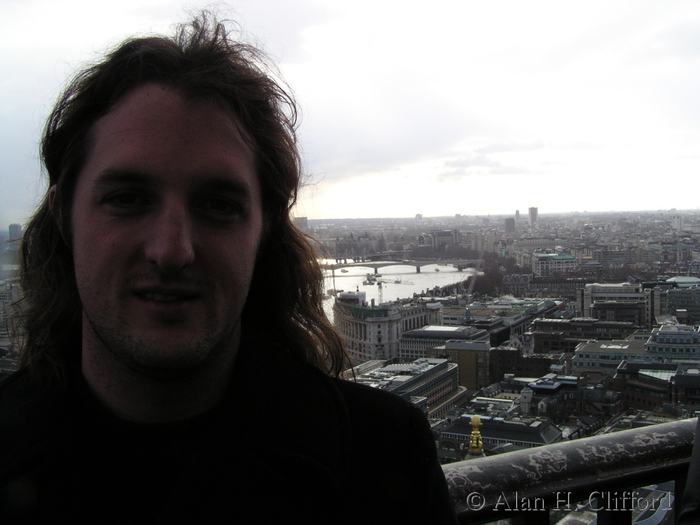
[533,216]
[15,232]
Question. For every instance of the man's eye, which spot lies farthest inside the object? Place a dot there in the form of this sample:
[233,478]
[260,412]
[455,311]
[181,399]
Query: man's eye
[222,206]
[126,199]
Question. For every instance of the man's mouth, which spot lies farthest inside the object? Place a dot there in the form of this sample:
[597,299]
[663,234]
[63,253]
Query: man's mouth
[162,298]
[167,296]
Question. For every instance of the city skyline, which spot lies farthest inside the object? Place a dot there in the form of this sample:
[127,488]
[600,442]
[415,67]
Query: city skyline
[493,218]
[456,108]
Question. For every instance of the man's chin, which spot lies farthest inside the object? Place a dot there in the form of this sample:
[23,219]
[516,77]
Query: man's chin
[165,354]
[162,371]
[167,365]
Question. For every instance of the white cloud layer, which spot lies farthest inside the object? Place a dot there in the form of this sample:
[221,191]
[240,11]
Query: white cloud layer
[411,107]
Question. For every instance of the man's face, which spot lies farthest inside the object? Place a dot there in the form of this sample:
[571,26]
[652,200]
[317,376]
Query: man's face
[166,224]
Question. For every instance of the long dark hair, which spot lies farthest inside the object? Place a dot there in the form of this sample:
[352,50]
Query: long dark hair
[284,306]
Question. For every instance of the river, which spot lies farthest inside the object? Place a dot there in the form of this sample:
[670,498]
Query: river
[398,282]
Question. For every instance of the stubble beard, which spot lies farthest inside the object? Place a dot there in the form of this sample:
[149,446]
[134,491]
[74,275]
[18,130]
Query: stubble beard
[148,357]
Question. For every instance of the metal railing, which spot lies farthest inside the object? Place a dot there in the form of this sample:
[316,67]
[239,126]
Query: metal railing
[604,470]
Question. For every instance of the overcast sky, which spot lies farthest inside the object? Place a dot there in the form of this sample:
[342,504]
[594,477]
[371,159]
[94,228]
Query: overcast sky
[439,107]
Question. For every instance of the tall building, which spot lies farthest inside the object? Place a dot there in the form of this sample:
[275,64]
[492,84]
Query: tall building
[508,360]
[373,332]
[683,303]
[6,299]
[302,222]
[533,216]
[433,380]
[524,432]
[414,343]
[438,239]
[9,294]
[649,385]
[605,356]
[564,335]
[553,264]
[472,358]
[678,223]
[517,215]
[624,302]
[510,225]
[15,232]
[675,341]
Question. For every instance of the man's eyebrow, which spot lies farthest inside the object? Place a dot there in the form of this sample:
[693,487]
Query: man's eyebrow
[205,182]
[225,184]
[112,176]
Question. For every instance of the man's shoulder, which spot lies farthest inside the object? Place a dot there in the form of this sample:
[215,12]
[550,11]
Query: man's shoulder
[303,375]
[367,416]
[25,391]
[373,402]
[364,405]
[383,421]
[30,411]
[394,468]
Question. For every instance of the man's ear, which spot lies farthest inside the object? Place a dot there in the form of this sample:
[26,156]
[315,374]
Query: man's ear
[55,209]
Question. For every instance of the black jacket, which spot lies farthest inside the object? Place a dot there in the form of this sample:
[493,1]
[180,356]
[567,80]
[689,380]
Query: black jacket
[287,444]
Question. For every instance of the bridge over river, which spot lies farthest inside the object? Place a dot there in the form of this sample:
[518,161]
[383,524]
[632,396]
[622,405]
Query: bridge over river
[376,265]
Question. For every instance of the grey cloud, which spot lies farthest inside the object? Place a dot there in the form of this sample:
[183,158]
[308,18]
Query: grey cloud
[673,94]
[473,160]
[677,41]
[453,175]
[506,147]
[283,22]
[384,137]
[580,145]
[463,172]
[509,170]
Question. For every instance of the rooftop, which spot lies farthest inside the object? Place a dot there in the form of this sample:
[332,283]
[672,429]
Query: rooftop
[556,256]
[615,346]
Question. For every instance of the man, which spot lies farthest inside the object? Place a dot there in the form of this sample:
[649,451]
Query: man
[177,364]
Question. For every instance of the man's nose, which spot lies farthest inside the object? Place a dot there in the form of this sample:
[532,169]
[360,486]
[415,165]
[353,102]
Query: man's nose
[170,243]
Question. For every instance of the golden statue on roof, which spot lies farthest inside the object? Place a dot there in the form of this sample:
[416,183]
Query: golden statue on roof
[475,444]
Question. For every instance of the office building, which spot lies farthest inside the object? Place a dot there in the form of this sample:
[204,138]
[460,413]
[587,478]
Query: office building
[624,302]
[414,343]
[674,342]
[532,212]
[472,358]
[523,432]
[553,264]
[373,331]
[425,382]
[15,232]
[605,356]
[564,335]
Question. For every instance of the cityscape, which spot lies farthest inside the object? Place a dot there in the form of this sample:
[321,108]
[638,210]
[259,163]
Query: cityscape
[479,183]
[509,332]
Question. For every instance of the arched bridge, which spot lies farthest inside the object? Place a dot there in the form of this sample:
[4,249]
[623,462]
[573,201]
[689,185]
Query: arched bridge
[376,265]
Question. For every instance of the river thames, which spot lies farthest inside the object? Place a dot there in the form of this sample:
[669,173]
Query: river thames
[398,282]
